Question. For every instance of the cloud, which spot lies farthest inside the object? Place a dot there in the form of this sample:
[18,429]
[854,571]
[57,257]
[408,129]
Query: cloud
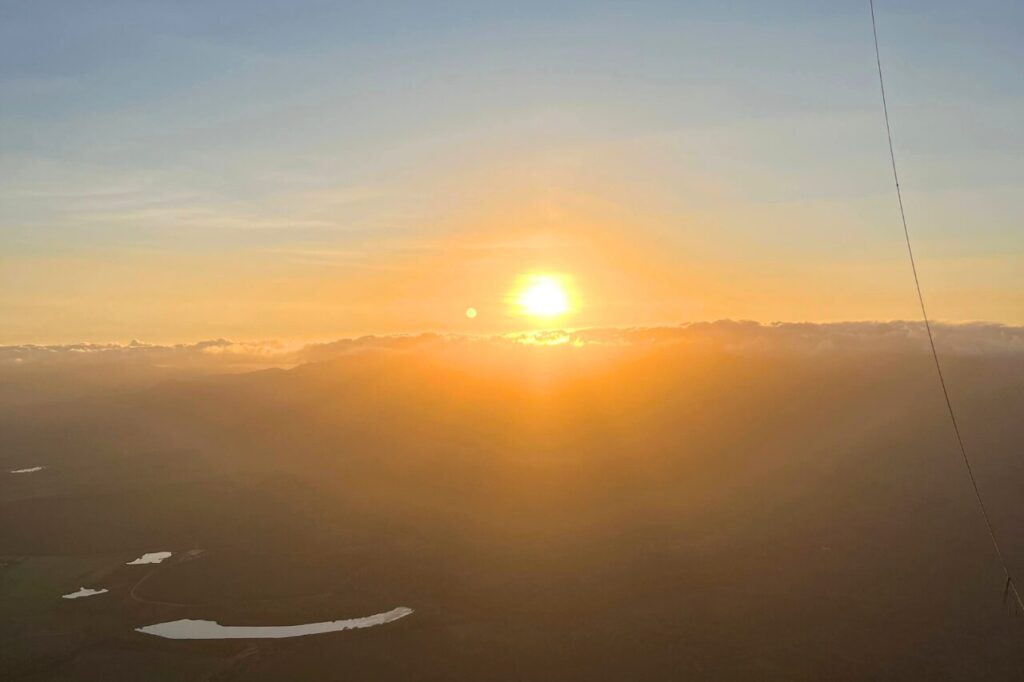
[724,335]
[977,338]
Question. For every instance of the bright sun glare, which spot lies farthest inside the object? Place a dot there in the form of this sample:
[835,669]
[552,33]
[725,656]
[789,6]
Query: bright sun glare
[542,296]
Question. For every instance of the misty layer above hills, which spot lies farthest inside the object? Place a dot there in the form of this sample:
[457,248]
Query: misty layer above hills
[33,372]
[721,501]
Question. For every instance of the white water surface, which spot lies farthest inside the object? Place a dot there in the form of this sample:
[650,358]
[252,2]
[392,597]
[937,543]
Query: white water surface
[83,592]
[30,470]
[151,558]
[208,629]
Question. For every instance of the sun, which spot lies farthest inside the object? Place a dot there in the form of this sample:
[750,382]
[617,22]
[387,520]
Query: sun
[542,296]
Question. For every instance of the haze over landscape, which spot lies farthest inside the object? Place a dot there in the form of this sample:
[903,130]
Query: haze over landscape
[483,341]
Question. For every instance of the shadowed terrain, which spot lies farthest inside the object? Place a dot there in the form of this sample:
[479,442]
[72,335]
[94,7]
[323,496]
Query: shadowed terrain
[723,501]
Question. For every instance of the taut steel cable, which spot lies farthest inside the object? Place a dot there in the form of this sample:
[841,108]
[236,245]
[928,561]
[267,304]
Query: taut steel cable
[1011,587]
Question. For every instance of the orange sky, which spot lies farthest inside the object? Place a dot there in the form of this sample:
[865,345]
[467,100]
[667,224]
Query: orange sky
[346,172]
[625,267]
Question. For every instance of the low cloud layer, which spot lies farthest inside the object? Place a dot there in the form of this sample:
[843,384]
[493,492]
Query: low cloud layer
[725,335]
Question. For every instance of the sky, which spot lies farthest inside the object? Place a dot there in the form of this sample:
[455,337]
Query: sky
[177,171]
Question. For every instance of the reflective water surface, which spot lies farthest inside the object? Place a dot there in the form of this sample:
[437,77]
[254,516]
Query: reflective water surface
[208,629]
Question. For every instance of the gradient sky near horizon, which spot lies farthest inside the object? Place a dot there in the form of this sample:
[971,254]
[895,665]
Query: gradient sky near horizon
[182,170]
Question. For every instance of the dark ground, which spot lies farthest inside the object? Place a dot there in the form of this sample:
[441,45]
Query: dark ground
[655,513]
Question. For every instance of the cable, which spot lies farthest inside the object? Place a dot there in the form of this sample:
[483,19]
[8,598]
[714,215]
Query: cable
[1011,587]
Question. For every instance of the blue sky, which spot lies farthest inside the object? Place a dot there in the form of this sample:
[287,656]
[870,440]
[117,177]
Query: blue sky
[265,139]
